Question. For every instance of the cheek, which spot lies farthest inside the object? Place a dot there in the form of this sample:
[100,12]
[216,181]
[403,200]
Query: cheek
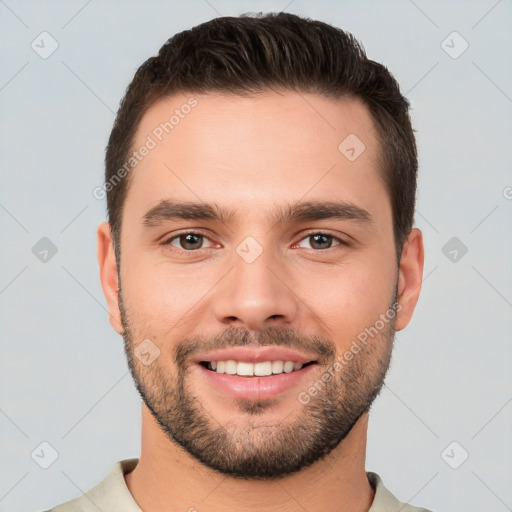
[352,297]
[162,296]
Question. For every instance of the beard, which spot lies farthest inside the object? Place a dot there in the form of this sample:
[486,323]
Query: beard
[249,449]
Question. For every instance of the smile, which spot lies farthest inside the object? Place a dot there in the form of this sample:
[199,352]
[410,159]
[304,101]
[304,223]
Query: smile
[246,369]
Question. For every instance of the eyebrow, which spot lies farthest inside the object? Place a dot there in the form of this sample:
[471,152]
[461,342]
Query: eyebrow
[168,209]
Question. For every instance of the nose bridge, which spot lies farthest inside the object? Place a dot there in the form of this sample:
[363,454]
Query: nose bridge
[252,293]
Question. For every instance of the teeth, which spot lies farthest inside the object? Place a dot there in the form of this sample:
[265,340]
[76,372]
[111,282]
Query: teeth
[288,367]
[263,369]
[277,366]
[231,367]
[244,369]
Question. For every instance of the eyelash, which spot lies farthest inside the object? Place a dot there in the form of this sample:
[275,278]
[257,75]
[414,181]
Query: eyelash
[168,241]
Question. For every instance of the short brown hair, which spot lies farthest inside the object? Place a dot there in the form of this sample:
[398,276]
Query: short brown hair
[255,53]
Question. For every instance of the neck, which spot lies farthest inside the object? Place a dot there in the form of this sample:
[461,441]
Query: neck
[167,476]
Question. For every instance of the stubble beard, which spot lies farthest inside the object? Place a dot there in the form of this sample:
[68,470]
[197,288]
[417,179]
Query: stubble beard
[249,449]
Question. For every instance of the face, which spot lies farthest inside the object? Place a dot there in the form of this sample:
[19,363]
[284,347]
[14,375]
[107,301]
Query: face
[252,242]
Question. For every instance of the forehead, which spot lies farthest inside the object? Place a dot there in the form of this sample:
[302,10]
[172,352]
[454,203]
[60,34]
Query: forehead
[262,150]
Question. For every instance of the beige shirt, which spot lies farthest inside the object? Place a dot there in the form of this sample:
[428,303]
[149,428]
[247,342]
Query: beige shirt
[112,495]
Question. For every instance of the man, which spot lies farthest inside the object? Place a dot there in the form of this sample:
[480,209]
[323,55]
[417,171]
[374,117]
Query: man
[258,259]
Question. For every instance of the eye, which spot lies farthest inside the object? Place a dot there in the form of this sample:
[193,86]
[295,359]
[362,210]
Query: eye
[194,241]
[321,241]
[190,241]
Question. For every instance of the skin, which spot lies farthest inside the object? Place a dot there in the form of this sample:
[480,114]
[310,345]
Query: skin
[252,155]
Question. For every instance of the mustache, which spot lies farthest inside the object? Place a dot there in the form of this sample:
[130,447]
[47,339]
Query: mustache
[240,337]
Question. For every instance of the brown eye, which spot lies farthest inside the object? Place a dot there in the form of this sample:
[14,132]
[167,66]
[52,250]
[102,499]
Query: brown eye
[320,241]
[191,241]
[187,241]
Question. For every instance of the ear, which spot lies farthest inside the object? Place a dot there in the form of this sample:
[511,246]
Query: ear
[108,275]
[410,277]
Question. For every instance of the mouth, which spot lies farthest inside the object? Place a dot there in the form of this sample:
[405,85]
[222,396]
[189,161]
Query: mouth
[265,380]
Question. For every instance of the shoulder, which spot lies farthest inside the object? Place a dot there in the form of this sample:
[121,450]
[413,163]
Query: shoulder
[385,501]
[110,494]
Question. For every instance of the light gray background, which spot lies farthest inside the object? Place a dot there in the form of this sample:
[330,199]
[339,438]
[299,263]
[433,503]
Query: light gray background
[63,376]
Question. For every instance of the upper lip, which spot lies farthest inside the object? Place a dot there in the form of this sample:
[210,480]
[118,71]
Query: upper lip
[255,355]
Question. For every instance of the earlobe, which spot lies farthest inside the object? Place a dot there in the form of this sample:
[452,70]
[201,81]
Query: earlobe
[108,274]
[410,277]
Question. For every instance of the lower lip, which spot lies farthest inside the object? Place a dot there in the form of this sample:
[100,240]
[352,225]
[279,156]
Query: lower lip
[256,388]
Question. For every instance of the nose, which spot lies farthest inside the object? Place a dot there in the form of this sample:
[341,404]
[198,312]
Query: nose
[256,295]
